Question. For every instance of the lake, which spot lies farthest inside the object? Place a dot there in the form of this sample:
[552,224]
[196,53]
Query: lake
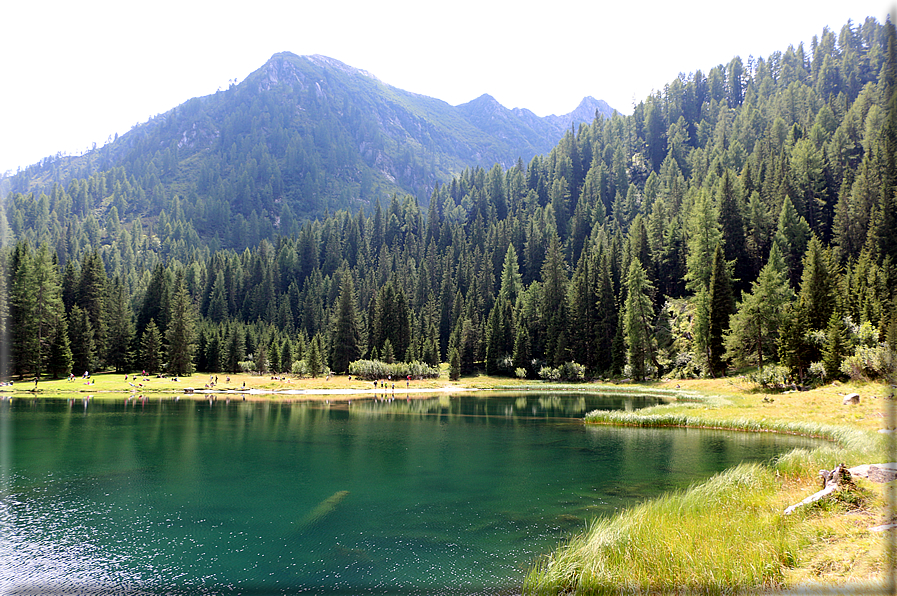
[446,495]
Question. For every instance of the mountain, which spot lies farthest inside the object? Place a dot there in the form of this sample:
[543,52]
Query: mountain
[317,135]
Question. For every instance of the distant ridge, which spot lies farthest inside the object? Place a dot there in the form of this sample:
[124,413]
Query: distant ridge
[331,135]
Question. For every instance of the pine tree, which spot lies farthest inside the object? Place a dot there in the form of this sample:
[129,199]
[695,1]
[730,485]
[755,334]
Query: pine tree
[722,305]
[92,292]
[454,364]
[703,237]
[638,322]
[835,347]
[755,325]
[732,227]
[313,357]
[794,350]
[554,303]
[347,334]
[274,363]
[151,349]
[121,328]
[818,287]
[792,237]
[59,360]
[37,305]
[181,332]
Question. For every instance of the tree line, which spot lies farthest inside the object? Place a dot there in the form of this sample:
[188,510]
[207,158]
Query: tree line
[743,218]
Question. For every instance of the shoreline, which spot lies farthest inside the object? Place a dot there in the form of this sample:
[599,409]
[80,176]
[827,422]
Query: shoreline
[723,404]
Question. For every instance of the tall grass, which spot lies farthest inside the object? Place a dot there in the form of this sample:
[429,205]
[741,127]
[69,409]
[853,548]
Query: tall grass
[723,536]
[850,446]
[720,536]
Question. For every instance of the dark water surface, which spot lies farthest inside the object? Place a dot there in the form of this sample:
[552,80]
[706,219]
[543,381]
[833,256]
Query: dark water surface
[448,495]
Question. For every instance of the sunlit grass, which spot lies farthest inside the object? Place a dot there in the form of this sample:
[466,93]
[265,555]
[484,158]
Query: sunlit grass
[722,534]
[729,534]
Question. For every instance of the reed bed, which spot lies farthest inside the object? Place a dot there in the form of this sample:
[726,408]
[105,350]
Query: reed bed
[718,537]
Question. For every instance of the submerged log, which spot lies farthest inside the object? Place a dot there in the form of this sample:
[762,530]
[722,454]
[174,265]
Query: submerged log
[832,481]
[323,509]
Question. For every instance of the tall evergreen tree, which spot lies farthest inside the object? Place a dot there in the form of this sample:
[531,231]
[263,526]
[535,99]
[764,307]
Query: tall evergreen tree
[792,237]
[638,322]
[92,293]
[121,328]
[703,236]
[181,332]
[313,358]
[347,334]
[722,305]
[59,360]
[81,339]
[754,328]
[554,303]
[732,227]
[150,357]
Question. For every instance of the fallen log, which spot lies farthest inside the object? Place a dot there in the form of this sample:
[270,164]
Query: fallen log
[832,481]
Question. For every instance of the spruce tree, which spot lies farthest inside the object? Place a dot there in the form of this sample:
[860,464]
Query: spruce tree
[818,287]
[755,325]
[59,360]
[454,364]
[181,332]
[92,292]
[151,349]
[703,236]
[554,303]
[835,347]
[638,322]
[81,340]
[347,334]
[121,328]
[313,357]
[722,305]
[792,237]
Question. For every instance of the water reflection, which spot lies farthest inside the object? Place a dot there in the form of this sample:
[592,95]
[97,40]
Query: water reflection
[453,494]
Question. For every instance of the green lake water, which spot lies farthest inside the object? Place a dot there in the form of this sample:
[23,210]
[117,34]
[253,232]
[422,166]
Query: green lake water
[445,495]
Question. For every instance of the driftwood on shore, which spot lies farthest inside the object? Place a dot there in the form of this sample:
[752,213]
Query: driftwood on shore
[842,477]
[832,481]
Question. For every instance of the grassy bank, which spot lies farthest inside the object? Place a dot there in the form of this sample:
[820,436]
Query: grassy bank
[729,534]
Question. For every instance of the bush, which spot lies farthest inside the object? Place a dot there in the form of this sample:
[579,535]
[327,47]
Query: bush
[816,371]
[546,373]
[868,363]
[520,373]
[299,368]
[372,370]
[771,377]
[570,372]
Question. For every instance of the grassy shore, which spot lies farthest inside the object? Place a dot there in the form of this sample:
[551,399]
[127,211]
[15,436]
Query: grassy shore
[729,534]
[726,535]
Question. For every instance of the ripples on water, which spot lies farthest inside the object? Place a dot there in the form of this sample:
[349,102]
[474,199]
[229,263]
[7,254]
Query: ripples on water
[440,497]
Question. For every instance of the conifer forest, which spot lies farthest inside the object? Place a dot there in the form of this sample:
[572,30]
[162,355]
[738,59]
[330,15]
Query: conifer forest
[742,220]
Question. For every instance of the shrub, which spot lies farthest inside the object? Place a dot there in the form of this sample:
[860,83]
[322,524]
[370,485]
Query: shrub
[546,373]
[866,363]
[816,372]
[568,372]
[771,377]
[299,368]
[377,369]
[520,372]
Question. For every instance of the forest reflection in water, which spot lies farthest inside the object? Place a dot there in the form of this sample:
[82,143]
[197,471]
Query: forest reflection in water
[454,494]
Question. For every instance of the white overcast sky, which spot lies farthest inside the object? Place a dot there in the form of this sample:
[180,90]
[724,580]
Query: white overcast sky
[75,73]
